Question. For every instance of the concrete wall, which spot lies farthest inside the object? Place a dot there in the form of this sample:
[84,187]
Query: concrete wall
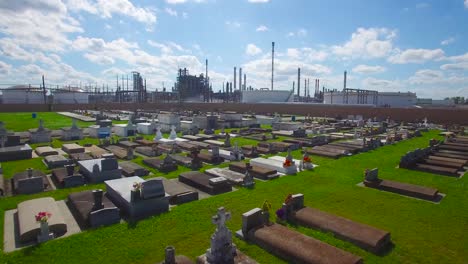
[261,96]
[383,99]
[22,97]
[438,115]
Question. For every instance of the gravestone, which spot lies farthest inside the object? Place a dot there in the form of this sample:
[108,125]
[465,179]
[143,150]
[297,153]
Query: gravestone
[248,178]
[222,249]
[173,134]
[227,141]
[158,134]
[372,175]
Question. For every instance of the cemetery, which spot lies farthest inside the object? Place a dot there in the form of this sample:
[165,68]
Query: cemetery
[154,186]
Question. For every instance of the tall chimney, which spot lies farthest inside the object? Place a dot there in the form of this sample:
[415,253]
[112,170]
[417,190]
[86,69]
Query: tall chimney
[235,73]
[298,82]
[240,79]
[272,63]
[344,83]
[293,86]
[305,87]
[245,81]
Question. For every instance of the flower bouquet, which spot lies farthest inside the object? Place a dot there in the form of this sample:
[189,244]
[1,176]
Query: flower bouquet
[287,163]
[43,217]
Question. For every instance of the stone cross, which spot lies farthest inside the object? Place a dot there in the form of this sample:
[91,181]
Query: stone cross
[41,124]
[173,134]
[158,134]
[227,141]
[220,218]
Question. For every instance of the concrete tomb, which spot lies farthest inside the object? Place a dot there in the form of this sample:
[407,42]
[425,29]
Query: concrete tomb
[164,165]
[72,133]
[93,208]
[99,170]
[29,229]
[29,182]
[130,168]
[138,198]
[40,134]
[288,244]
[56,161]
[206,183]
[67,177]
[362,235]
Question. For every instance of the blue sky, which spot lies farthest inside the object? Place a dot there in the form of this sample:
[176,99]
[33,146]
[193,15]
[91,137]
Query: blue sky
[417,46]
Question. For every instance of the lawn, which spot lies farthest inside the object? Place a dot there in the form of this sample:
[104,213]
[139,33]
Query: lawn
[422,232]
[24,121]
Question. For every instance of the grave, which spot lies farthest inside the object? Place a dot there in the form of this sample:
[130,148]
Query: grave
[119,152]
[93,209]
[148,151]
[67,177]
[234,178]
[72,148]
[128,144]
[80,156]
[163,165]
[206,183]
[250,151]
[146,128]
[95,151]
[288,244]
[211,157]
[72,133]
[125,130]
[45,151]
[97,131]
[283,165]
[256,171]
[29,229]
[29,182]
[40,134]
[222,249]
[167,120]
[171,258]
[56,161]
[99,170]
[132,169]
[362,235]
[178,193]
[372,180]
[138,198]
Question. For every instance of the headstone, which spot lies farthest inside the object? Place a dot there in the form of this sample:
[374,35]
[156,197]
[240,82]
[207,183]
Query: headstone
[248,178]
[215,151]
[222,249]
[97,195]
[158,134]
[227,141]
[170,255]
[372,175]
[173,134]
[130,153]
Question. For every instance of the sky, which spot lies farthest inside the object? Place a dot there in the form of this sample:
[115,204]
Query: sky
[385,45]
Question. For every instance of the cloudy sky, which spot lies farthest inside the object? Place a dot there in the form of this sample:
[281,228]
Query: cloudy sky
[387,45]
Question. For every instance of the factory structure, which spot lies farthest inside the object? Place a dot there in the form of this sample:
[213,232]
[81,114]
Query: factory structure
[198,88]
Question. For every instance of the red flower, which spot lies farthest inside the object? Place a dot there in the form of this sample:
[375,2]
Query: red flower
[287,163]
[307,160]
[43,216]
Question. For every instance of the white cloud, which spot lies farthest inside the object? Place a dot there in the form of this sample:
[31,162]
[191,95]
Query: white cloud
[426,76]
[299,33]
[462,66]
[258,1]
[175,2]
[382,85]
[293,53]
[466,3]
[184,15]
[459,58]
[106,9]
[252,50]
[367,43]
[233,24]
[416,56]
[4,68]
[170,11]
[367,69]
[167,48]
[447,41]
[42,25]
[262,28]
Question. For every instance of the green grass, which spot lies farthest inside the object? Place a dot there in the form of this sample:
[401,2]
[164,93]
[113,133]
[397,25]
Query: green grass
[422,232]
[24,121]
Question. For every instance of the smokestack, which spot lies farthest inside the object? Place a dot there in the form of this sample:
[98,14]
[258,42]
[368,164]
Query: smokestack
[298,82]
[344,83]
[272,63]
[293,86]
[206,75]
[240,79]
[305,87]
[235,73]
[245,81]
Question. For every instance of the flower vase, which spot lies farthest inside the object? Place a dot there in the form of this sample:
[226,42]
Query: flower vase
[135,195]
[44,234]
